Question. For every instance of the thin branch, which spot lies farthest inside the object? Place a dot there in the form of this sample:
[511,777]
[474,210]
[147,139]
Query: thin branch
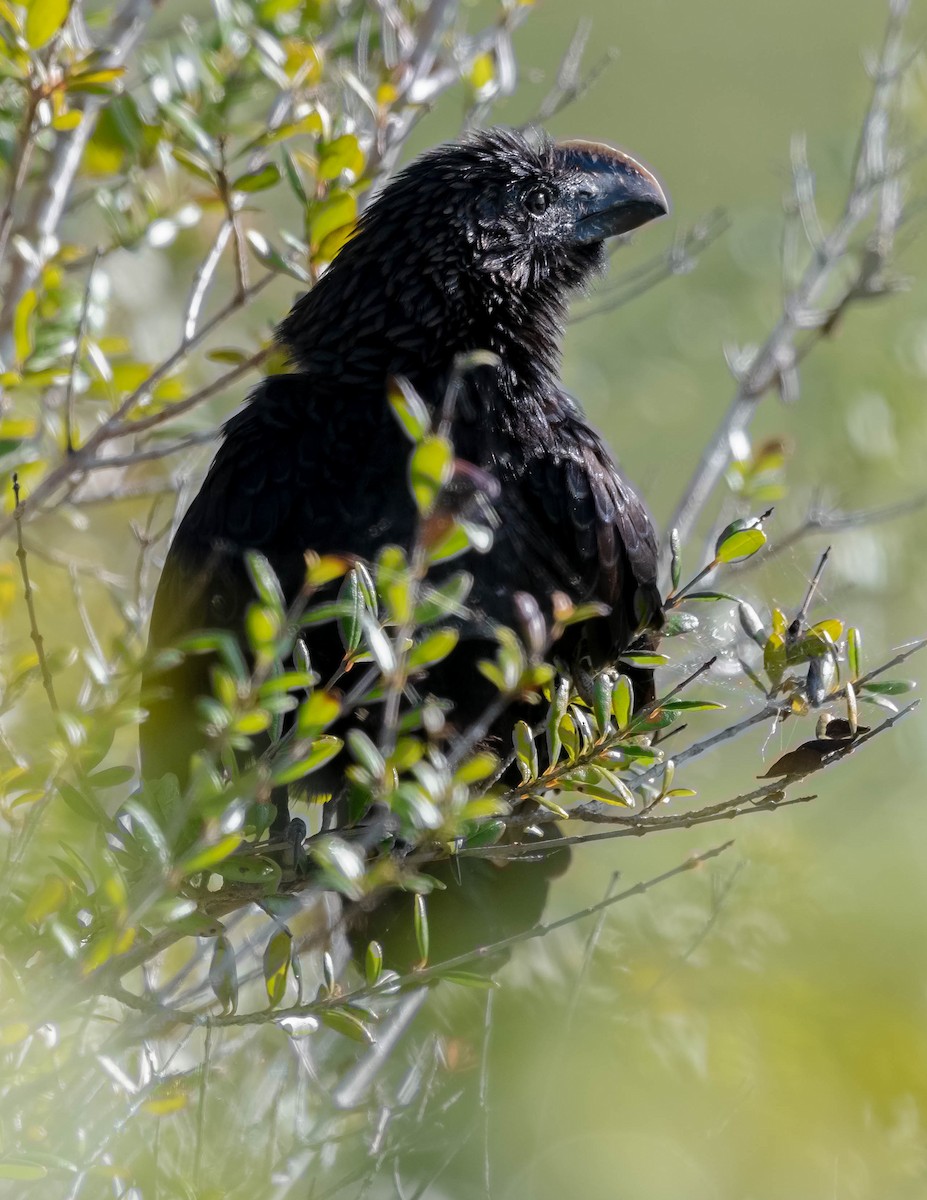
[414,979]
[49,206]
[18,168]
[778,352]
[117,425]
[821,521]
[37,639]
[75,357]
[679,259]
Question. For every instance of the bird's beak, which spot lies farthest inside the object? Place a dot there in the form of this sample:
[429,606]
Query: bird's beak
[616,194]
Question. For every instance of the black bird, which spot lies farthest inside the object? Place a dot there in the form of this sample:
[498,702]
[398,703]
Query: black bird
[475,246]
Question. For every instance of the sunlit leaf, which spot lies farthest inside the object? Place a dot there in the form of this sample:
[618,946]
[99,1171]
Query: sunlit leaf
[299,763]
[433,648]
[258,181]
[43,20]
[430,469]
[409,408]
[342,154]
[50,897]
[23,336]
[740,540]
[276,965]
[208,856]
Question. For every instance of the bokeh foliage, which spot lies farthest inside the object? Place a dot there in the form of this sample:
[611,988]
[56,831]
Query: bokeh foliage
[127,331]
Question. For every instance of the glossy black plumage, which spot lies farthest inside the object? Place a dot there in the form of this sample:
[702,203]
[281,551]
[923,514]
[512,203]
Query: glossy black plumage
[451,258]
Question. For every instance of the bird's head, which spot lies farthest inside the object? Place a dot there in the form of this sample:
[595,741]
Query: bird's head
[498,221]
[520,208]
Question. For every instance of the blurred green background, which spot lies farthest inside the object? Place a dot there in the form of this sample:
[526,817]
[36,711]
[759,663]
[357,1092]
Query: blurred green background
[757,1029]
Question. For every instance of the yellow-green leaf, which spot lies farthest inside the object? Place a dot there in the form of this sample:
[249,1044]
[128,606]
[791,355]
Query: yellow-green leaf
[338,210]
[482,71]
[22,325]
[430,469]
[739,544]
[50,897]
[343,154]
[276,965]
[43,20]
[208,856]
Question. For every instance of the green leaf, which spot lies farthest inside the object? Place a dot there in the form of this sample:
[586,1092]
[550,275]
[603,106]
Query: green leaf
[49,898]
[477,768]
[394,584]
[21,1170]
[23,337]
[619,794]
[378,645]
[409,408]
[690,705]
[223,974]
[890,687]
[740,540]
[433,648]
[251,868]
[645,660]
[549,803]
[430,469]
[276,965]
[111,777]
[266,177]
[297,764]
[346,1024]
[420,918]
[206,857]
[470,979]
[854,651]
[250,724]
[445,600]
[373,963]
[678,623]
[78,802]
[294,178]
[342,154]
[317,713]
[43,20]
[366,753]
[264,581]
[288,681]
[602,700]
[336,212]
[487,833]
[622,701]
[675,559]
[526,751]
[195,164]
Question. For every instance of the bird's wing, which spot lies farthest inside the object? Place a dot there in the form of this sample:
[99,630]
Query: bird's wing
[581,528]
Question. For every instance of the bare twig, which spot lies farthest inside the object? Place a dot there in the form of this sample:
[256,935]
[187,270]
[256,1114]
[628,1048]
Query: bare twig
[873,172]
[48,208]
[47,682]
[119,425]
[75,357]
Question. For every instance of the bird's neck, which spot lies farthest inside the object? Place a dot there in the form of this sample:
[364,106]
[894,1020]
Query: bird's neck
[350,334]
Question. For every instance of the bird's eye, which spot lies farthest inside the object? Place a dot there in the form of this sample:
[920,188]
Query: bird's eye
[537,201]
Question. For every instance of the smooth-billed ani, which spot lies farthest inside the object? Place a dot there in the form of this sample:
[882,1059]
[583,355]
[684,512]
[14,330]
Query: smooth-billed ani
[475,246]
